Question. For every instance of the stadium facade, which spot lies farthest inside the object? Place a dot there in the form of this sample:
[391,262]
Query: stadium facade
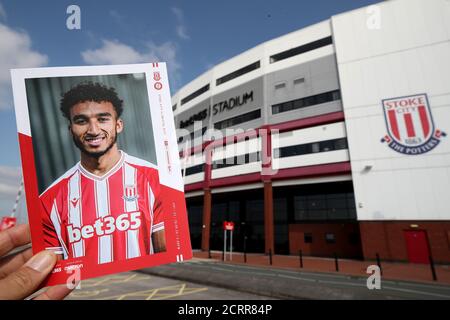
[329,140]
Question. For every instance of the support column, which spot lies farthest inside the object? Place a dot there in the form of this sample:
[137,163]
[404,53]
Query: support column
[266,174]
[206,227]
[268,218]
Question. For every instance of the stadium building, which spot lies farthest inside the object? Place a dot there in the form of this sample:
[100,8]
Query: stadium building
[330,139]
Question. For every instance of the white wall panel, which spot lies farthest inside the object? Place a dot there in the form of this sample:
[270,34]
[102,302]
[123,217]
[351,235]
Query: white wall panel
[408,55]
[192,160]
[308,135]
[236,170]
[193,178]
[250,186]
[311,159]
[236,149]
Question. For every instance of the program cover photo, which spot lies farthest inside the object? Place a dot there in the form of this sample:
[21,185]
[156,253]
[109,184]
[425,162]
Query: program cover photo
[101,168]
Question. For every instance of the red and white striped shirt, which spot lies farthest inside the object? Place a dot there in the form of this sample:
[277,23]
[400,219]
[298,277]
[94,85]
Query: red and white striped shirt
[106,218]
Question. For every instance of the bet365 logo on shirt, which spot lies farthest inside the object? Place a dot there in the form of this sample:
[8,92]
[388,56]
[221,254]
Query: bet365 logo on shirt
[105,226]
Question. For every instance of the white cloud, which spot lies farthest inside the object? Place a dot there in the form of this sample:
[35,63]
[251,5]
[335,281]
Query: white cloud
[113,52]
[180,28]
[15,52]
[10,178]
[116,52]
[9,181]
[181,32]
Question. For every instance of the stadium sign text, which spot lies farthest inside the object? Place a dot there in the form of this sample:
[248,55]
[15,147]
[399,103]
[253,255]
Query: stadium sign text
[218,108]
[232,102]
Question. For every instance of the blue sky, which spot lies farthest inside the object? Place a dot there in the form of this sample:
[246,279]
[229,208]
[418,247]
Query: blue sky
[191,36]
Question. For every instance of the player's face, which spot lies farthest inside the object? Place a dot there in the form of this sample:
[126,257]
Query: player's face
[94,127]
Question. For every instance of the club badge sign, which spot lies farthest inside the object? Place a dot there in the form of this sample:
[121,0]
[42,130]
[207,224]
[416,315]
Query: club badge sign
[228,225]
[410,125]
[102,175]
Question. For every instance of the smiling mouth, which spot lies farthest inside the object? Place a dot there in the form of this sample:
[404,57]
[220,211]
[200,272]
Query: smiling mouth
[94,141]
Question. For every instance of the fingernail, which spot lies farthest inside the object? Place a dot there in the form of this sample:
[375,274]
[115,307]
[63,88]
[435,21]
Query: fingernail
[41,261]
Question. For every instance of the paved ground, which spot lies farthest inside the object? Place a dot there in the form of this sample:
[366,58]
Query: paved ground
[140,286]
[294,284]
[213,279]
[390,270]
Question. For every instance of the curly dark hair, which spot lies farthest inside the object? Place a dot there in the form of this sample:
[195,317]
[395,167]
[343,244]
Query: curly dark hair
[90,91]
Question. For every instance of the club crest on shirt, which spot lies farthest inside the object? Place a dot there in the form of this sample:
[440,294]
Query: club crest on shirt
[130,193]
[74,202]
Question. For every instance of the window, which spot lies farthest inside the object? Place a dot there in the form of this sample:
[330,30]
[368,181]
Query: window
[306,101]
[276,109]
[322,207]
[301,49]
[299,81]
[193,135]
[238,119]
[301,208]
[336,95]
[351,205]
[340,144]
[194,208]
[330,238]
[236,160]
[174,107]
[314,147]
[337,206]
[194,169]
[307,238]
[333,198]
[298,104]
[317,207]
[288,106]
[238,73]
[280,86]
[326,146]
[195,94]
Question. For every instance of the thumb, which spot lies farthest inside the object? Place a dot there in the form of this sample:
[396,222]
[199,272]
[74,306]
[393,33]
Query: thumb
[27,279]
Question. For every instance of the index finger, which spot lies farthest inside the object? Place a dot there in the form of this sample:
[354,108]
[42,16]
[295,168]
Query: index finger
[14,237]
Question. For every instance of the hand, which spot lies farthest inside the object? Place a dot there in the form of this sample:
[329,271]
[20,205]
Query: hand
[21,274]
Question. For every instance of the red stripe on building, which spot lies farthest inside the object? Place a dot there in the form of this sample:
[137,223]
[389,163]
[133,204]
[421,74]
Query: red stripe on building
[193,150]
[194,186]
[289,173]
[424,120]
[280,127]
[394,124]
[309,122]
[231,139]
[315,170]
[236,180]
